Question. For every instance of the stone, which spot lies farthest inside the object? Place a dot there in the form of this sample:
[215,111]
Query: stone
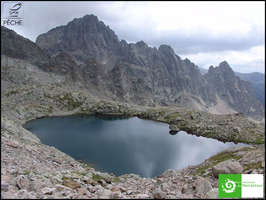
[105,194]
[48,191]
[184,189]
[174,128]
[24,194]
[4,186]
[236,129]
[227,167]
[92,189]
[5,178]
[202,185]
[61,187]
[165,187]
[115,189]
[123,189]
[22,182]
[159,194]
[212,194]
[71,183]
[82,191]
[116,195]
[142,196]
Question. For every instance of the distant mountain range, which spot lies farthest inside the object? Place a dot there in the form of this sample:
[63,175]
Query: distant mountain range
[256,79]
[90,54]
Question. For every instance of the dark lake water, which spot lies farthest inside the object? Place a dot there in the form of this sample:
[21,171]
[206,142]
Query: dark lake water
[124,146]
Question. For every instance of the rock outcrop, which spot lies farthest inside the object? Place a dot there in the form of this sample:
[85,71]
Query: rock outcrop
[237,93]
[227,167]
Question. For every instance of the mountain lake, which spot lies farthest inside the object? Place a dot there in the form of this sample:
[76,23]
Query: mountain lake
[124,145]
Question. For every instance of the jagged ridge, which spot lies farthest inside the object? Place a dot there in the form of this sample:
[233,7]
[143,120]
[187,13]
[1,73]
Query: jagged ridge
[90,53]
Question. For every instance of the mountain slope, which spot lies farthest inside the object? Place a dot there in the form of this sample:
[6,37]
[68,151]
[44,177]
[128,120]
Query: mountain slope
[237,93]
[257,81]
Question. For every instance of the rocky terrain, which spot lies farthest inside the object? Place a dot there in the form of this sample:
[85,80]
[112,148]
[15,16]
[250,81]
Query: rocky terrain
[38,82]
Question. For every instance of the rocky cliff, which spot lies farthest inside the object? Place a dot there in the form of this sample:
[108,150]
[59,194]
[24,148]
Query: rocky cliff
[92,56]
[257,81]
[239,94]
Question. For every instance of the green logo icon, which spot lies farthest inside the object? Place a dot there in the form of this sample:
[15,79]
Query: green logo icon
[229,186]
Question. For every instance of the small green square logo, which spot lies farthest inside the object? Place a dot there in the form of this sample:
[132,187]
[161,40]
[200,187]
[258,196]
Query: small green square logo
[229,186]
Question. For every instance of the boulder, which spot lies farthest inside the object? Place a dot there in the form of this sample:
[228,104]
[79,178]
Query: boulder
[213,194]
[227,167]
[48,190]
[202,185]
[159,194]
[105,194]
[22,182]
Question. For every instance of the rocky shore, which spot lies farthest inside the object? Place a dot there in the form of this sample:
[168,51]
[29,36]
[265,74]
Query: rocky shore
[30,169]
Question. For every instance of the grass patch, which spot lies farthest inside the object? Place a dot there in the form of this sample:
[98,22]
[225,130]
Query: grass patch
[69,182]
[256,165]
[172,116]
[223,156]
[11,92]
[26,172]
[97,177]
[259,140]
[245,149]
[70,102]
[202,170]
[220,157]
[115,180]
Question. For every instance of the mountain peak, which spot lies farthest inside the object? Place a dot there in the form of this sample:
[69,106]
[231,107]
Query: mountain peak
[85,37]
[166,49]
[224,64]
[141,44]
[85,18]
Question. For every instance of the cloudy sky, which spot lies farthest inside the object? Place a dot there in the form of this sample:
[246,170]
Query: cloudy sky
[204,32]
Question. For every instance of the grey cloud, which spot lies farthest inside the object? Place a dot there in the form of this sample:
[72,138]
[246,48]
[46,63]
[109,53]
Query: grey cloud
[40,17]
[197,42]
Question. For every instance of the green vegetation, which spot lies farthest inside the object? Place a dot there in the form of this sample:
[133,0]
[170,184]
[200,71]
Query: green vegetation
[115,180]
[259,140]
[214,160]
[97,177]
[69,101]
[26,172]
[69,182]
[172,116]
[255,165]
[9,93]
[81,173]
[223,156]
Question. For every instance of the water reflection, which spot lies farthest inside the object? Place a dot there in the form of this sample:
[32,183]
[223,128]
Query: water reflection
[128,145]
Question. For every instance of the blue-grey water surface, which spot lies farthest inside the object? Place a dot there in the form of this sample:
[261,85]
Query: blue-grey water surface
[123,146]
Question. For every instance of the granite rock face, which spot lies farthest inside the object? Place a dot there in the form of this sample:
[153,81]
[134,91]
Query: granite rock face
[16,46]
[90,54]
[239,94]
